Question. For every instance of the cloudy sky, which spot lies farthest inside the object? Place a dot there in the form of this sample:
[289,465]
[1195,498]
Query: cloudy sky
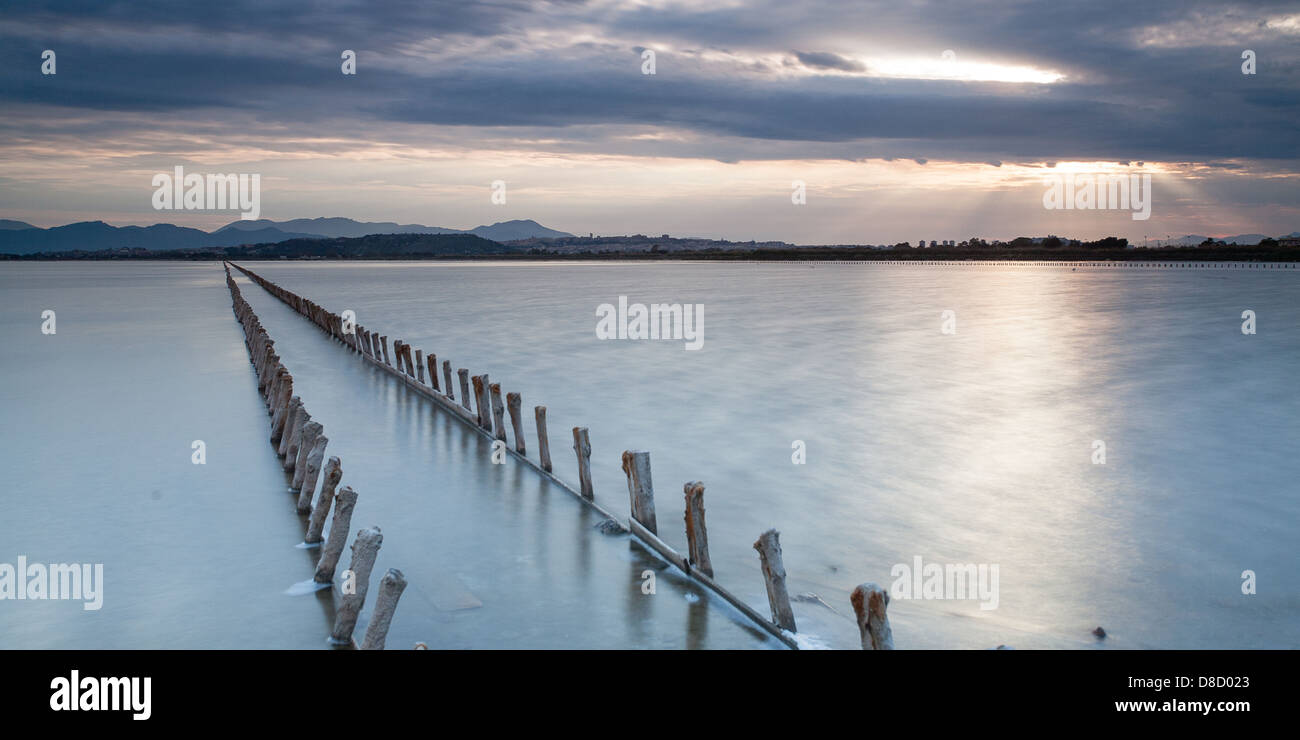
[906,120]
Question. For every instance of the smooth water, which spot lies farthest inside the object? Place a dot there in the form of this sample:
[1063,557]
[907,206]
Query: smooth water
[970,447]
[974,447]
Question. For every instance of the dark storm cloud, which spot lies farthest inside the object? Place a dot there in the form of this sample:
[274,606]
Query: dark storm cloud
[510,64]
[827,60]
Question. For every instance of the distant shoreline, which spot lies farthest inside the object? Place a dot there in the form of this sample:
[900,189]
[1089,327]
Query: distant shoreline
[800,254]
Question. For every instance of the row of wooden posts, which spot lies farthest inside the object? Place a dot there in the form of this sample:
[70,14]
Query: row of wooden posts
[301,443]
[488,414]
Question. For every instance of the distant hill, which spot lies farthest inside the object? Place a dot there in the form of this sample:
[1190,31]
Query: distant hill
[334,227]
[96,235]
[1191,240]
[346,227]
[17,237]
[375,246]
[505,231]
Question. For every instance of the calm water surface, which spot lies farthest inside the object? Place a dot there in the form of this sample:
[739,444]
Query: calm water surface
[970,447]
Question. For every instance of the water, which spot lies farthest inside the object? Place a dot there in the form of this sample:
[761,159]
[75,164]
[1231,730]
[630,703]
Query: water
[99,419]
[973,447]
[149,357]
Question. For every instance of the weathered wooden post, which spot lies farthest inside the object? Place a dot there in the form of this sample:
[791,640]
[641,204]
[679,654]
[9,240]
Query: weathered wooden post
[316,525]
[290,423]
[295,442]
[769,553]
[498,413]
[391,587]
[484,403]
[344,502]
[697,537]
[406,357]
[432,361]
[397,354]
[310,431]
[515,404]
[274,387]
[869,603]
[446,375]
[281,412]
[543,444]
[375,351]
[640,490]
[365,549]
[383,343]
[464,387]
[419,367]
[315,459]
[582,446]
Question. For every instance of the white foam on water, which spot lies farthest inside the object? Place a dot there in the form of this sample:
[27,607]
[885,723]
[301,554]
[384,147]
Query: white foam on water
[302,588]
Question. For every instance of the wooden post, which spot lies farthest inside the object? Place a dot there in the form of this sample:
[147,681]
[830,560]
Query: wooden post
[543,444]
[582,446]
[365,549]
[383,343]
[375,350]
[344,502]
[310,431]
[432,361]
[446,375]
[315,458]
[419,367]
[290,423]
[281,412]
[390,590]
[484,403]
[697,537]
[515,405]
[464,387]
[498,412]
[406,357]
[640,490]
[295,442]
[769,553]
[869,602]
[397,355]
[333,474]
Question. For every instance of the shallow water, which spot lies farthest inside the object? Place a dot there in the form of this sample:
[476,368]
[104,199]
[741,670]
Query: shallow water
[99,420]
[495,556]
[973,447]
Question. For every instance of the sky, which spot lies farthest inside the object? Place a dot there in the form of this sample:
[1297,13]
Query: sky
[902,120]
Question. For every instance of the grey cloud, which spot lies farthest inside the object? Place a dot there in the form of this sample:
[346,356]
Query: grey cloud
[827,60]
[1122,101]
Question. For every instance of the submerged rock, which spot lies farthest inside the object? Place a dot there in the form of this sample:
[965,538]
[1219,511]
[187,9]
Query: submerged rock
[1099,632]
[610,526]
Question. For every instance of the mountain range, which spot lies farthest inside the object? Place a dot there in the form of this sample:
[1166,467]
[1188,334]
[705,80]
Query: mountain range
[18,237]
[1192,240]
